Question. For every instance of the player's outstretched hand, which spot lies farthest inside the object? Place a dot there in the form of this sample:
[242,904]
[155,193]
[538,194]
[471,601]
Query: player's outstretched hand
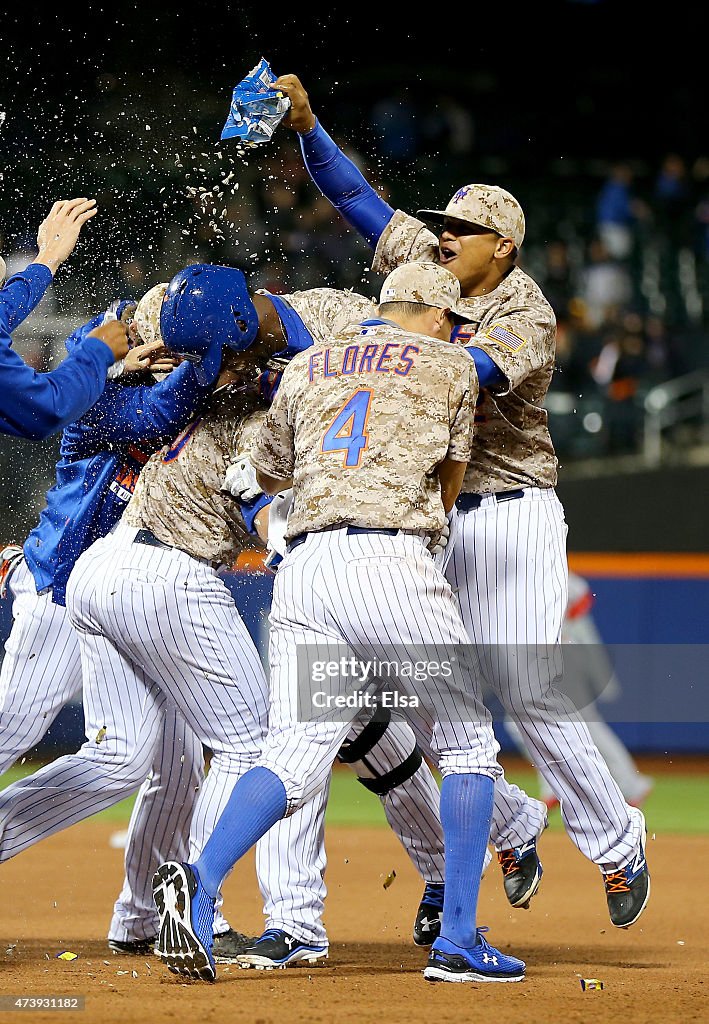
[240,480]
[59,231]
[152,356]
[300,117]
[115,335]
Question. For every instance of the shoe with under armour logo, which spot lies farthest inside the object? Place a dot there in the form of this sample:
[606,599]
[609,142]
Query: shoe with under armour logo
[427,926]
[276,948]
[522,872]
[482,962]
[628,890]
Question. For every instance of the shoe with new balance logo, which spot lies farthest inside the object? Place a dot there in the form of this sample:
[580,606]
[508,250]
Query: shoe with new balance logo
[628,890]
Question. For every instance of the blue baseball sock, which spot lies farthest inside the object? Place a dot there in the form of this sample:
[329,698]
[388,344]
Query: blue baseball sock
[257,802]
[466,810]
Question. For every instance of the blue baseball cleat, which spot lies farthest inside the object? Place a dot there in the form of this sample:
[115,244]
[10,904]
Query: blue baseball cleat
[448,962]
[276,948]
[186,921]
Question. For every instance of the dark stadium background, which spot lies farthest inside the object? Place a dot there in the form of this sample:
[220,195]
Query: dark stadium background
[124,101]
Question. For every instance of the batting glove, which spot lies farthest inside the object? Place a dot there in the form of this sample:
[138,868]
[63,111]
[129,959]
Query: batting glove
[240,480]
[120,309]
[443,548]
[442,542]
[277,523]
[10,556]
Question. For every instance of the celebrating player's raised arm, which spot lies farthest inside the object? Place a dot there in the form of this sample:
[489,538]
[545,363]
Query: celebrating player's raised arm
[336,176]
[37,405]
[56,237]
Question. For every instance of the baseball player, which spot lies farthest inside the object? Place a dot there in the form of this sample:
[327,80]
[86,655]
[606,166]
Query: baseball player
[102,455]
[388,761]
[384,753]
[509,563]
[37,405]
[369,495]
[288,324]
[388,758]
[294,899]
[594,678]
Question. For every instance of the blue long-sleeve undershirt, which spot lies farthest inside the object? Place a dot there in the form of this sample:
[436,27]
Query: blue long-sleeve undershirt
[489,374]
[22,292]
[36,405]
[344,185]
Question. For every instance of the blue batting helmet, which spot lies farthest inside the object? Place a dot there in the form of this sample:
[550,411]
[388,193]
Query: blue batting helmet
[204,308]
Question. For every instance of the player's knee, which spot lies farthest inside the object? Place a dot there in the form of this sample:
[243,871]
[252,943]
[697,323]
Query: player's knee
[132,764]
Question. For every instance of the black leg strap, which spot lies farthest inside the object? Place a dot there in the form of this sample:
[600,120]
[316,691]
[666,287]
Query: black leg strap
[385,783]
[373,731]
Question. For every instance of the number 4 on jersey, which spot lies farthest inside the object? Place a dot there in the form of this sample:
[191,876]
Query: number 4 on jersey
[348,431]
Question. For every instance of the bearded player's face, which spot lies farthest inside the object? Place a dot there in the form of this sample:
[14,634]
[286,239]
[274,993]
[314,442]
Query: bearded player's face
[469,251]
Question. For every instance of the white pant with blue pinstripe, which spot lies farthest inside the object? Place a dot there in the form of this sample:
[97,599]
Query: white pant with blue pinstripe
[41,671]
[509,571]
[382,597]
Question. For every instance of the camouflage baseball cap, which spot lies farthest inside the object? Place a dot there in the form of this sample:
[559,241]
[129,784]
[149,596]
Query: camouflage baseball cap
[147,314]
[426,283]
[487,205]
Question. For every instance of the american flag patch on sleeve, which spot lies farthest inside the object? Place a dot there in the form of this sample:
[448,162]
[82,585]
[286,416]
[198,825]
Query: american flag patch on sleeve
[505,337]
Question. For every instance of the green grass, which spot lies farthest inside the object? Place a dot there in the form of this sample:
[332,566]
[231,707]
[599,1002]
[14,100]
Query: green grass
[678,803]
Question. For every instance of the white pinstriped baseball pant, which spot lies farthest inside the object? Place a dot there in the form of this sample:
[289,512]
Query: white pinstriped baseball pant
[41,671]
[510,574]
[174,620]
[381,597]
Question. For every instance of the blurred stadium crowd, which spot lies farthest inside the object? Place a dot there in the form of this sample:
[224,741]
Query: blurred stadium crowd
[620,247]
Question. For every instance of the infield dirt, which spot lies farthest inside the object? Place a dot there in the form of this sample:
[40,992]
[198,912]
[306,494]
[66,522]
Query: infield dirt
[59,896]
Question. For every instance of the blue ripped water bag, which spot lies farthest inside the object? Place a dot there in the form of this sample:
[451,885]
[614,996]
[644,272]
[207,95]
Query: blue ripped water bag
[256,108]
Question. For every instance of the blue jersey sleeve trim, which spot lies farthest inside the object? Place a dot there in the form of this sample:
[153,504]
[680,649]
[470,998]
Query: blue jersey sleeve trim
[297,334]
[250,509]
[341,181]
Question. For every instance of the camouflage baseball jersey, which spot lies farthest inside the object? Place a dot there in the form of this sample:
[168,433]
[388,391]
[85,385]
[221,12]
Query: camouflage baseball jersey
[327,311]
[361,424]
[178,495]
[516,326]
